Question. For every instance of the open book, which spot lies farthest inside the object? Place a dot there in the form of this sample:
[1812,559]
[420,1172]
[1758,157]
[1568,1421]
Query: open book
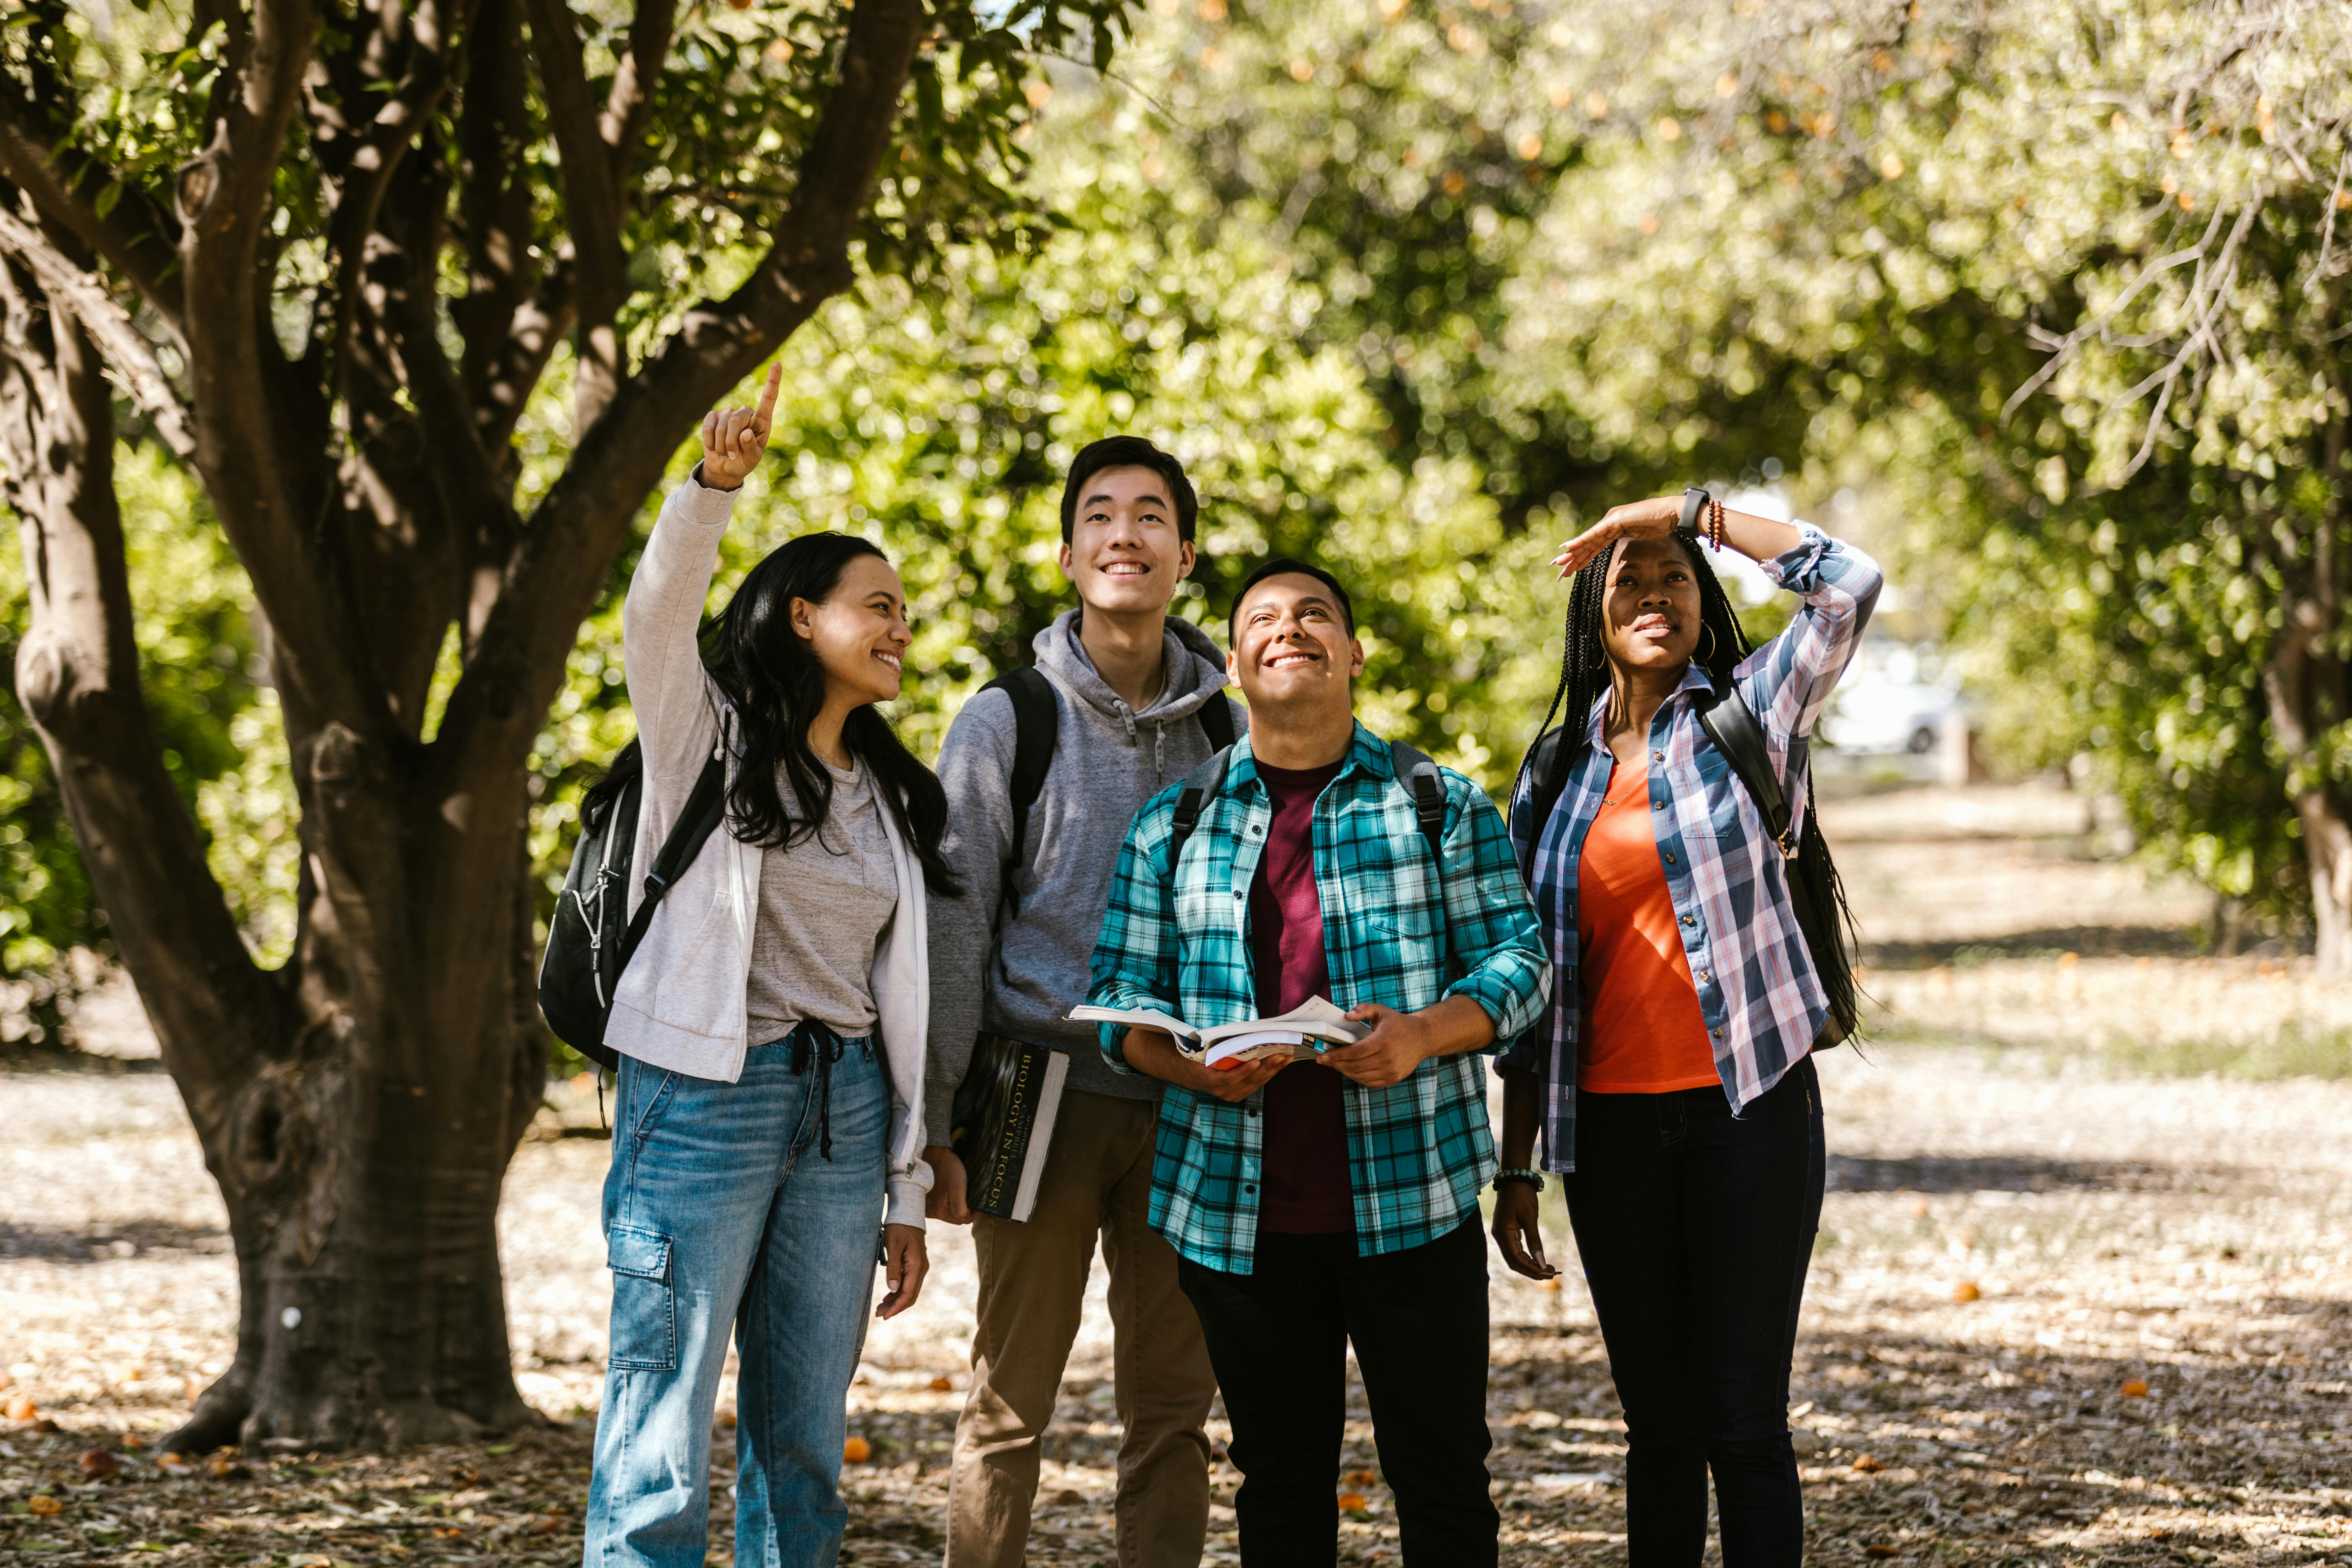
[1306,1030]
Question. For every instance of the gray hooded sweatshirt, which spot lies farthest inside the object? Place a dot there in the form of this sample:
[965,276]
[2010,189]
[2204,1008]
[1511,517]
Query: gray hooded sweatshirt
[1108,761]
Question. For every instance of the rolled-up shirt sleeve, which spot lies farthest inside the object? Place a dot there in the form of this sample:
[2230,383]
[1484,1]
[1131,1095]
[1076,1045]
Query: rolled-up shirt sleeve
[1788,680]
[1490,921]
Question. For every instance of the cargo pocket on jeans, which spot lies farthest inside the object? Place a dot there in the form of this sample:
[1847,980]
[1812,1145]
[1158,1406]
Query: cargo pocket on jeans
[644,1307]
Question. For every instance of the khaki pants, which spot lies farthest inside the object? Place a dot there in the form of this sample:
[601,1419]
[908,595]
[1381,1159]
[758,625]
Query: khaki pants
[1033,1282]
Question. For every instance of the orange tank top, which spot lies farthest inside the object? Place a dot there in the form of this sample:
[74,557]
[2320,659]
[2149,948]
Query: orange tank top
[1642,1033]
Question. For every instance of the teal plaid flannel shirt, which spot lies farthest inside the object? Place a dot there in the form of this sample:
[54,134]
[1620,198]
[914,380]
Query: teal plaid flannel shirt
[1178,940]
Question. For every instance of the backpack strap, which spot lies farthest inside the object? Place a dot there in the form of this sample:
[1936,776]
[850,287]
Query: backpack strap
[1729,723]
[1415,773]
[1419,776]
[1199,784]
[1036,718]
[706,806]
[1216,717]
[1546,771]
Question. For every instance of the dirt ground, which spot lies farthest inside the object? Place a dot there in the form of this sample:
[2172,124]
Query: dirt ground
[2065,1310]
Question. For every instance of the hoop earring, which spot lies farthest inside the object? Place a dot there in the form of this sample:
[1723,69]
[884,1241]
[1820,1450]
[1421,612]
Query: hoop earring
[1709,657]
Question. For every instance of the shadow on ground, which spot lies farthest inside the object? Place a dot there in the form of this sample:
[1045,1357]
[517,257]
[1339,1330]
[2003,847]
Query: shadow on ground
[2018,1173]
[2087,941]
[107,1243]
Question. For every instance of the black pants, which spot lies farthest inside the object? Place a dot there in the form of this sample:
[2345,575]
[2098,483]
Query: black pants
[1695,1228]
[1278,1339]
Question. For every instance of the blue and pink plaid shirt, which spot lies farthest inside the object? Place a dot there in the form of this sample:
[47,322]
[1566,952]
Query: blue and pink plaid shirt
[1757,991]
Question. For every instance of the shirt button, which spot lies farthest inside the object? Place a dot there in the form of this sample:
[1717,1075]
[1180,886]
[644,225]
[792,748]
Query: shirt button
[1253,1110]
[1238,893]
[1247,1188]
[1689,920]
[1718,1034]
[1657,756]
[1657,805]
[1670,856]
[1706,974]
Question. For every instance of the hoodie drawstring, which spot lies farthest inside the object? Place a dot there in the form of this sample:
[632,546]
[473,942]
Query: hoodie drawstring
[810,1039]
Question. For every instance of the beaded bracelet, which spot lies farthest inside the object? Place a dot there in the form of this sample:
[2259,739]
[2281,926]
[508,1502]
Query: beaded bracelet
[1714,525]
[1519,1173]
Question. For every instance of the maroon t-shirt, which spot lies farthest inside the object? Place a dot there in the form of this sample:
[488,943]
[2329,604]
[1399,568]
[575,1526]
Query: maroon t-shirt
[1305,1173]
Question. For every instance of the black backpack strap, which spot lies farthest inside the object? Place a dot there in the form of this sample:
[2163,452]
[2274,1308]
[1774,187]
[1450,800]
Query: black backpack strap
[1217,722]
[706,806]
[1419,776]
[1546,771]
[1036,719]
[1200,784]
[1733,728]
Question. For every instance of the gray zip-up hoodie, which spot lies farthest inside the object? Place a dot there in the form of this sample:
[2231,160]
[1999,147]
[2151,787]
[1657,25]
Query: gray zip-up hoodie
[1108,761]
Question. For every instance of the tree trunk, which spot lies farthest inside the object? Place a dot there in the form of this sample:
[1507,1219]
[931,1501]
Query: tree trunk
[2328,841]
[359,1107]
[2306,692]
[366,1158]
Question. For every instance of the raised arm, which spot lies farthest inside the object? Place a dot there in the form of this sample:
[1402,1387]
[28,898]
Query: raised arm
[1788,680]
[663,611]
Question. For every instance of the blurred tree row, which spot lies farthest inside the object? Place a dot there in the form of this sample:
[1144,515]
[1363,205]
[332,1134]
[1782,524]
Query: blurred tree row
[2061,288]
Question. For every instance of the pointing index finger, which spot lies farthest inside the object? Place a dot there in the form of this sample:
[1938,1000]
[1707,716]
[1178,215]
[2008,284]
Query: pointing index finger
[768,392]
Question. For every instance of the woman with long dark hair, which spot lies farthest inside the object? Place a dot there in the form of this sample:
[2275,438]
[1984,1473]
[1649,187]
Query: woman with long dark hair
[1671,1079]
[769,1125]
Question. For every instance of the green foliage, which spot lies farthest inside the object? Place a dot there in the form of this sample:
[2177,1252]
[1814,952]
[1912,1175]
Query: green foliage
[938,419]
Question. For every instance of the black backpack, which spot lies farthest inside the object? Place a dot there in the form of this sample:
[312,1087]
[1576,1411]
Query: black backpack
[1036,725]
[1814,889]
[588,942]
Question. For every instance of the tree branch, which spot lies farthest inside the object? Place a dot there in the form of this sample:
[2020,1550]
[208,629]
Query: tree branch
[77,677]
[141,252]
[363,172]
[507,335]
[591,206]
[105,320]
[568,547]
[631,103]
[266,488]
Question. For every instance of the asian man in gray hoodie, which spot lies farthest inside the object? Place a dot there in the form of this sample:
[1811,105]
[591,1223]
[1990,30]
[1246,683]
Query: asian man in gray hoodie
[1129,684]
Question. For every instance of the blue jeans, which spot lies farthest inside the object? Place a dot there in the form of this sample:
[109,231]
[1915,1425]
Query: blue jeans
[1695,1227]
[722,1212]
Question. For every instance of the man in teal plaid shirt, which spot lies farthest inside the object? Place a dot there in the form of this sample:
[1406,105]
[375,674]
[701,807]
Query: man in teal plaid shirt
[1313,1203]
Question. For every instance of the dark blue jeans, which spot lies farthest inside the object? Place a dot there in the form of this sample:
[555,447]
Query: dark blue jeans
[1695,1227]
[724,1215]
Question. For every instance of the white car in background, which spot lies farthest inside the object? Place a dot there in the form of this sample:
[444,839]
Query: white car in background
[1896,699]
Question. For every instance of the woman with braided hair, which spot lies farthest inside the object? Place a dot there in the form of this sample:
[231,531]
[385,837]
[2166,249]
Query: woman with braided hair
[1670,1077]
